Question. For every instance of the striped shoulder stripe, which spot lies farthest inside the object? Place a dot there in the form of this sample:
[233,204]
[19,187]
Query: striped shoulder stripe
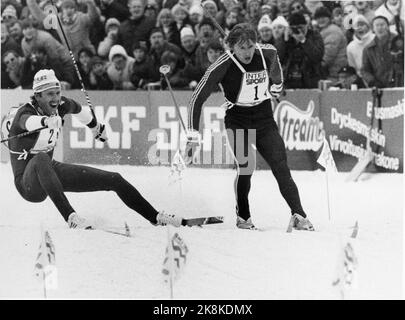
[222,59]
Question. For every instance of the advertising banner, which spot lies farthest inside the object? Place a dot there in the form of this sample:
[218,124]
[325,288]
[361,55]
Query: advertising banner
[348,123]
[143,128]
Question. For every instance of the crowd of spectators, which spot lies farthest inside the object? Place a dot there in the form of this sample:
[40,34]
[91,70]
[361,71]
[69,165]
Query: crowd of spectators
[120,44]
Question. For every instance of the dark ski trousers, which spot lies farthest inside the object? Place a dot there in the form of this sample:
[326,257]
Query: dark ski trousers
[46,177]
[247,126]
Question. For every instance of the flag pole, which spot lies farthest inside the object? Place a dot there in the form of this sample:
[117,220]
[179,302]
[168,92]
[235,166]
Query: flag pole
[43,245]
[327,191]
[44,282]
[171,259]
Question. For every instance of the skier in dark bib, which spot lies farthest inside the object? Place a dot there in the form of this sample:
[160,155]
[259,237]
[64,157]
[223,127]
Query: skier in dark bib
[250,75]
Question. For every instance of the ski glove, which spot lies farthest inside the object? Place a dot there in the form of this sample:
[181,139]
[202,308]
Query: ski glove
[275,90]
[193,143]
[53,122]
[99,132]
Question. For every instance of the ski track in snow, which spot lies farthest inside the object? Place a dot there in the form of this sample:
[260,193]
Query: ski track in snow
[223,261]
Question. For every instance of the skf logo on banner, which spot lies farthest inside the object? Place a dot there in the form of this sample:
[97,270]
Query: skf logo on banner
[45,267]
[299,130]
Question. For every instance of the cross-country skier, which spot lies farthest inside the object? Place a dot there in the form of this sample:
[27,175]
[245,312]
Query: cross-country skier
[250,74]
[37,175]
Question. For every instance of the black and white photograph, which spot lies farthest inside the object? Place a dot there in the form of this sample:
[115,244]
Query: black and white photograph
[209,152]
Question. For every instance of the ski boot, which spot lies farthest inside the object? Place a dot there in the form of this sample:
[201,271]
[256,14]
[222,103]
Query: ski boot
[301,223]
[245,224]
[164,219]
[77,222]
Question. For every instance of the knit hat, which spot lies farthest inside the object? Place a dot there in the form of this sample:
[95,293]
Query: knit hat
[209,1]
[279,21]
[264,22]
[68,4]
[266,6]
[322,12]
[45,79]
[296,19]
[186,32]
[95,60]
[380,17]
[117,50]
[153,3]
[196,9]
[359,18]
[206,21]
[140,45]
[177,7]
[111,22]
[250,1]
[9,11]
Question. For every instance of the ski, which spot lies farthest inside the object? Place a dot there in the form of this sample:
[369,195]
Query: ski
[126,232]
[202,221]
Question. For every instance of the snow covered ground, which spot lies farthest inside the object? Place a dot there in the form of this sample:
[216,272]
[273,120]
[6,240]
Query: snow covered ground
[223,262]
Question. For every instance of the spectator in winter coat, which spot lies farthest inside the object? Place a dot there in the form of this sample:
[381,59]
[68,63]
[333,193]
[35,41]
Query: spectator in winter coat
[117,9]
[334,41]
[38,38]
[7,44]
[280,32]
[364,8]
[180,14]
[394,12]
[158,45]
[175,75]
[196,14]
[189,46]
[264,28]
[206,34]
[14,68]
[304,52]
[283,8]
[362,38]
[142,68]
[112,27]
[39,59]
[349,79]
[98,77]
[378,65]
[165,21]
[253,12]
[232,18]
[214,51]
[211,7]
[120,68]
[83,63]
[9,15]
[270,10]
[152,9]
[137,27]
[15,31]
[76,25]
[337,18]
